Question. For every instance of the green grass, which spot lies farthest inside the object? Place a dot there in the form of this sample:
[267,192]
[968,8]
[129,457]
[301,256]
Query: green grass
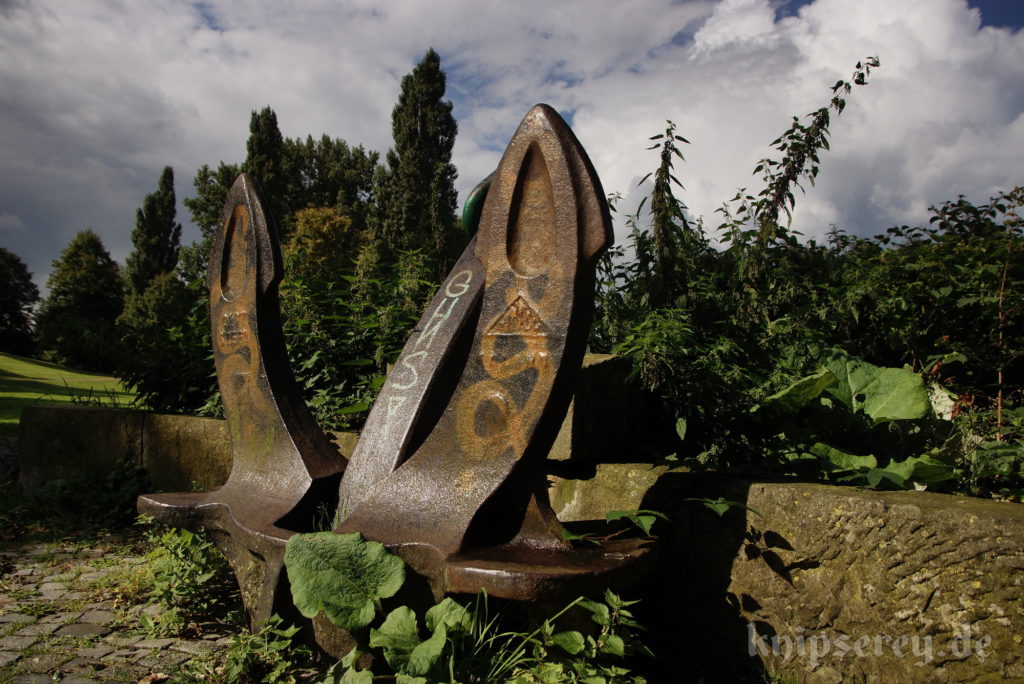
[28,382]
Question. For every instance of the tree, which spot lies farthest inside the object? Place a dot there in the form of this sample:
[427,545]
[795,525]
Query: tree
[265,159]
[156,236]
[75,324]
[18,294]
[165,333]
[417,202]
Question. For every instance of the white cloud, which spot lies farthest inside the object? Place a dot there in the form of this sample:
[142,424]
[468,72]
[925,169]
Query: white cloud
[95,97]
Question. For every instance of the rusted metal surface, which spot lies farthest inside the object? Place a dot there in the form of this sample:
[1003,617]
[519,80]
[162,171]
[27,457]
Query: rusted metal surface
[455,482]
[284,471]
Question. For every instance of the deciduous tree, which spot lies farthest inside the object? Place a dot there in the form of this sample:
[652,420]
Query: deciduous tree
[18,294]
[75,324]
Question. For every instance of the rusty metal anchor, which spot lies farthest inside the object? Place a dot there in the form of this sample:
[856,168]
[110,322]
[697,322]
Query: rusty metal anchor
[284,470]
[449,469]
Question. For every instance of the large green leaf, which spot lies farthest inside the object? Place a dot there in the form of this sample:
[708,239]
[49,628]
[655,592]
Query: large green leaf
[884,394]
[454,616]
[797,395]
[399,638]
[342,575]
[842,460]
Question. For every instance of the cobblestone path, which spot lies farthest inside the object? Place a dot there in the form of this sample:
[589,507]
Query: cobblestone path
[61,618]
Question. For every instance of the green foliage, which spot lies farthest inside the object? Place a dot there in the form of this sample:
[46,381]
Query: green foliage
[341,575]
[182,567]
[265,159]
[856,422]
[18,294]
[345,576]
[75,324]
[266,655]
[416,198]
[777,354]
[104,500]
[156,236]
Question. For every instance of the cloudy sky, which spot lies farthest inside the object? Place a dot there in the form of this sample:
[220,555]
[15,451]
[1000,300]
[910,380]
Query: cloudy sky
[96,96]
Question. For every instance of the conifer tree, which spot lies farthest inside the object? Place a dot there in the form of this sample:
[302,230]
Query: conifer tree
[416,196]
[156,236]
[265,159]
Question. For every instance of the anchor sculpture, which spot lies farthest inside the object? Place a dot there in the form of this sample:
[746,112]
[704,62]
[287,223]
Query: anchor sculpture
[283,466]
[462,497]
[449,469]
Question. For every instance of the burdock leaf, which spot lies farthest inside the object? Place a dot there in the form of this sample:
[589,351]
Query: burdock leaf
[342,575]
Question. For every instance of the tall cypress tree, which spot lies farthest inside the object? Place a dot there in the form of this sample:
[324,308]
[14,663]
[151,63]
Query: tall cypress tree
[156,236]
[266,160]
[417,198]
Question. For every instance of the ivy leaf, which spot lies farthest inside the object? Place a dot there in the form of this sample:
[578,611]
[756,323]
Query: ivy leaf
[342,575]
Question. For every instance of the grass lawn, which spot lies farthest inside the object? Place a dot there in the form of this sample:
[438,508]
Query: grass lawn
[28,382]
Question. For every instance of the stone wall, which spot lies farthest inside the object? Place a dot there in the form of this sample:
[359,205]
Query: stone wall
[810,582]
[179,453]
[826,584]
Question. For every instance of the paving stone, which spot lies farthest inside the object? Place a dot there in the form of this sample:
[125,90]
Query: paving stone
[96,651]
[127,654]
[77,664]
[38,629]
[52,586]
[161,661]
[93,576]
[63,618]
[193,647]
[53,595]
[122,673]
[7,657]
[97,617]
[123,640]
[78,680]
[154,643]
[75,595]
[16,617]
[153,609]
[43,662]
[17,643]
[82,629]
[32,679]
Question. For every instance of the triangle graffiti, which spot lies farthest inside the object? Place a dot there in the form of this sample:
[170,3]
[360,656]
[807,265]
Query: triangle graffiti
[519,319]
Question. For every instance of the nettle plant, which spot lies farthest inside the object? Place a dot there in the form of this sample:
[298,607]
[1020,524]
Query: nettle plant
[346,578]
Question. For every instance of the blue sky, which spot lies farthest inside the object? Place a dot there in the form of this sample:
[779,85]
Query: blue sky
[96,96]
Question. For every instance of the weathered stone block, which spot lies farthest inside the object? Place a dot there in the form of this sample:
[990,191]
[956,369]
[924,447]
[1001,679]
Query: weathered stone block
[833,583]
[613,487]
[72,442]
[181,453]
